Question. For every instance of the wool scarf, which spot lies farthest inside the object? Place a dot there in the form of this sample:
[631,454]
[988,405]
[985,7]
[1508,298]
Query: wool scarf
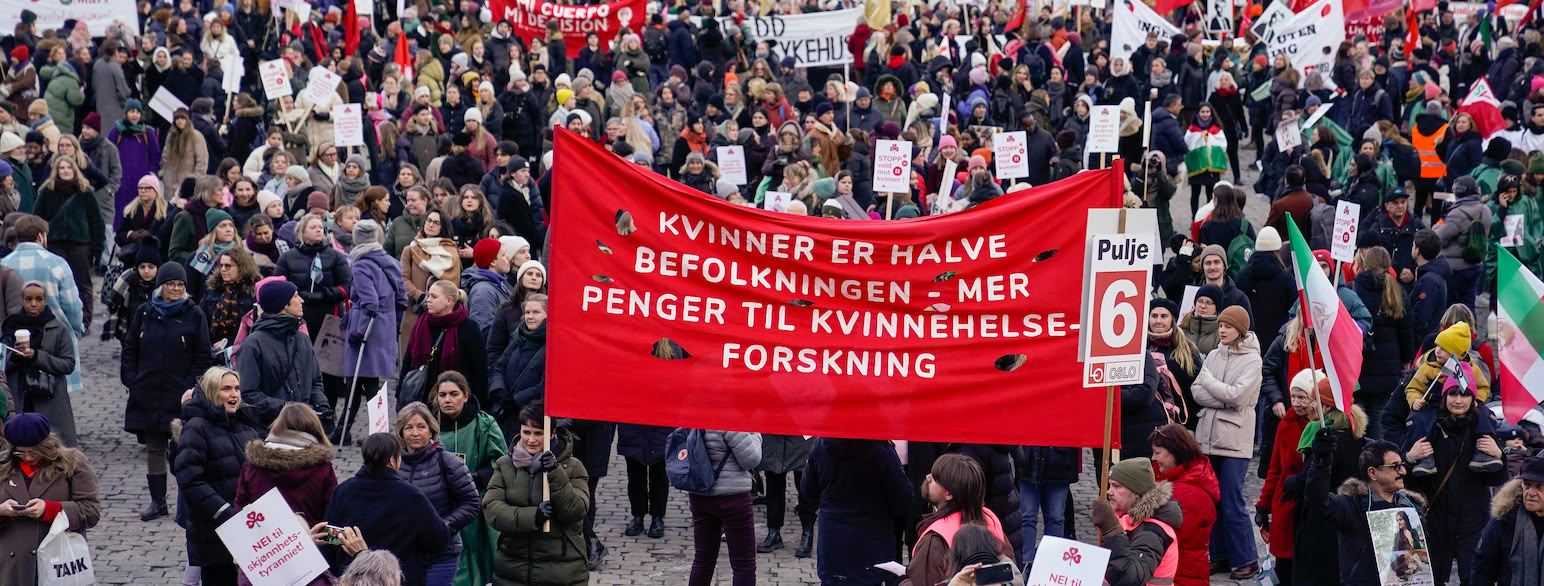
[421,343]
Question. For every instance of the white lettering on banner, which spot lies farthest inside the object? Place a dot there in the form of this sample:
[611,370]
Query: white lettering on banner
[811,39]
[1348,216]
[270,545]
[892,166]
[1133,20]
[275,77]
[1010,152]
[1309,39]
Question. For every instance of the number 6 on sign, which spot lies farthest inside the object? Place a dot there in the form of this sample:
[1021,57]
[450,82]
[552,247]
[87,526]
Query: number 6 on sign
[1119,281]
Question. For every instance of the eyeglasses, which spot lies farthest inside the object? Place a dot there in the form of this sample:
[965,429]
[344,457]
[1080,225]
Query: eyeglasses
[431,221]
[1399,466]
[226,265]
[175,285]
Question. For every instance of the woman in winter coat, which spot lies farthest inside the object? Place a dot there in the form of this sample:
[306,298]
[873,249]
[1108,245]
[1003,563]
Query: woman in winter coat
[193,223]
[276,357]
[1463,147]
[473,436]
[999,464]
[518,376]
[863,495]
[63,94]
[47,479]
[38,373]
[443,478]
[211,452]
[353,182]
[146,215]
[325,170]
[1181,357]
[294,458]
[165,351]
[528,553]
[1205,161]
[75,229]
[780,455]
[186,154]
[230,293]
[1227,389]
[430,256]
[1178,459]
[376,294]
[442,340]
[1046,476]
[322,294]
[1390,345]
[956,488]
[1228,103]
[139,151]
[387,511]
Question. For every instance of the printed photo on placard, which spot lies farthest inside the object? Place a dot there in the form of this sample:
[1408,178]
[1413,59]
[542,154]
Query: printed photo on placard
[1399,547]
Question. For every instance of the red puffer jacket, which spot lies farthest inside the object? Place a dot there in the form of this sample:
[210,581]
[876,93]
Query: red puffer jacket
[1196,490]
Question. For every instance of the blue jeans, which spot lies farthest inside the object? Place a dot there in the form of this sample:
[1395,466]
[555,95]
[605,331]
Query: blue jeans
[442,572]
[1035,498]
[1233,534]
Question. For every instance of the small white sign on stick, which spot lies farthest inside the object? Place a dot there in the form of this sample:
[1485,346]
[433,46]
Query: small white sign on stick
[892,166]
[348,129]
[380,412]
[1062,562]
[1104,130]
[233,70]
[731,164]
[321,85]
[270,545]
[275,79]
[1347,217]
[165,104]
[1011,153]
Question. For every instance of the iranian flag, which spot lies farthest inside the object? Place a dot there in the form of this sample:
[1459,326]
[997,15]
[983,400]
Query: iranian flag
[1482,105]
[1521,325]
[1338,337]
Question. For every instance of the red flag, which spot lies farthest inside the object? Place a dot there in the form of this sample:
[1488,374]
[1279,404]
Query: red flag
[403,58]
[350,29]
[1018,18]
[1533,8]
[1505,3]
[1166,6]
[1413,32]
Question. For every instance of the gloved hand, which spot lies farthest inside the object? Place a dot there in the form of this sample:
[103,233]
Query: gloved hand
[1324,444]
[356,338]
[1104,518]
[548,461]
[1262,517]
[1291,488]
[543,512]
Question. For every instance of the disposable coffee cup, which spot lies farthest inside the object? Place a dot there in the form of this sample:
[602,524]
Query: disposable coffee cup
[23,337]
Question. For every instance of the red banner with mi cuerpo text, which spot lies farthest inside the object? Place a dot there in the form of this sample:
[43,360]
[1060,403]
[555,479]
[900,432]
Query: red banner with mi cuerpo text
[529,20]
[954,328]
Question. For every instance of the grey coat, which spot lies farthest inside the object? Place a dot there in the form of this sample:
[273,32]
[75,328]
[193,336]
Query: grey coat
[55,359]
[744,452]
[104,156]
[112,91]
[447,483]
[1454,229]
[781,454]
[277,365]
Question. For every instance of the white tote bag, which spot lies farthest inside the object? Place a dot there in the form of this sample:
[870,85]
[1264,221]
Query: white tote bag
[64,557]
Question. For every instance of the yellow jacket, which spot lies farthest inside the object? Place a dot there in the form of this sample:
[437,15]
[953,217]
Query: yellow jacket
[1428,375]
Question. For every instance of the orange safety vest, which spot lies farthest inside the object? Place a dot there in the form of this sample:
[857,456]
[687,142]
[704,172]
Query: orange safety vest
[1432,166]
[1164,574]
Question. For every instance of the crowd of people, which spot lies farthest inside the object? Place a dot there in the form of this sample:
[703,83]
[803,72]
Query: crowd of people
[262,281]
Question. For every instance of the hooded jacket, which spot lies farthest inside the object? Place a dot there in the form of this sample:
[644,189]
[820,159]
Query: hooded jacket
[210,455]
[1271,291]
[526,554]
[1346,510]
[445,480]
[163,355]
[1136,552]
[1197,492]
[304,477]
[277,365]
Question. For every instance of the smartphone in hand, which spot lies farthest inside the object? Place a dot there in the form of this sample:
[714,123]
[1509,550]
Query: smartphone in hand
[334,535]
[995,574]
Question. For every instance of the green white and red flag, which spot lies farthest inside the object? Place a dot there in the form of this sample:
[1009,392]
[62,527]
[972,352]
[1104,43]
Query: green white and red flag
[1337,335]
[1521,325]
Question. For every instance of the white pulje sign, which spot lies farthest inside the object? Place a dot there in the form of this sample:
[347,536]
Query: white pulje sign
[1010,151]
[321,85]
[348,129]
[270,545]
[1103,130]
[276,80]
[1118,286]
[892,166]
[1347,217]
[1064,562]
[731,164]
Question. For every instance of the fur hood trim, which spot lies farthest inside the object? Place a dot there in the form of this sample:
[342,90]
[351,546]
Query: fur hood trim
[1146,506]
[1360,416]
[252,112]
[1356,487]
[1509,497]
[282,459]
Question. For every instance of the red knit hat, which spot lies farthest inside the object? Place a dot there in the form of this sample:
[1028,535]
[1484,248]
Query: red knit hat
[20,53]
[485,252]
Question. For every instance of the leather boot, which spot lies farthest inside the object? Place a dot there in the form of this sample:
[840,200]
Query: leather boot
[157,507]
[806,543]
[634,528]
[773,541]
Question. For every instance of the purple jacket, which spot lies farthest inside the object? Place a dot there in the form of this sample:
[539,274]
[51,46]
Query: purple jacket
[140,155]
[377,291]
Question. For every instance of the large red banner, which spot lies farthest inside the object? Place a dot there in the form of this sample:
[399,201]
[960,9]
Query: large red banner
[529,19]
[961,327]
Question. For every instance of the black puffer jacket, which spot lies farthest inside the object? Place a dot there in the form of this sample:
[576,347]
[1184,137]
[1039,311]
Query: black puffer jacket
[1388,346]
[1270,290]
[446,482]
[1000,466]
[210,453]
[1047,465]
[278,366]
[323,295]
[163,355]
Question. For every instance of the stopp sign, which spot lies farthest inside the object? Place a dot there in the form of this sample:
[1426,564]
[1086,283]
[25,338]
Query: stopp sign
[1118,285]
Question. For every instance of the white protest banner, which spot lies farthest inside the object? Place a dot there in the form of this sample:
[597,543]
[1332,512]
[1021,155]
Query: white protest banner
[1219,16]
[275,77]
[1063,562]
[1103,130]
[813,40]
[380,412]
[270,545]
[1187,302]
[1010,153]
[165,104]
[348,129]
[1348,217]
[233,70]
[1288,136]
[1399,547]
[1265,25]
[52,14]
[321,85]
[731,164]
[1133,20]
[364,7]
[1118,284]
[1514,230]
[1309,39]
[1316,115]
[778,201]
[892,166]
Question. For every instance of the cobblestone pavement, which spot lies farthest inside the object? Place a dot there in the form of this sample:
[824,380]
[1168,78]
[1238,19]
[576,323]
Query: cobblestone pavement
[128,551]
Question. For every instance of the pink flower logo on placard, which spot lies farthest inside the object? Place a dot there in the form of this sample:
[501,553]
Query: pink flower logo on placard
[1072,555]
[253,519]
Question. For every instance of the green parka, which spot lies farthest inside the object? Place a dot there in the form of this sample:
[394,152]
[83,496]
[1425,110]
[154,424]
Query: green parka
[474,437]
[1530,233]
[527,555]
[63,95]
